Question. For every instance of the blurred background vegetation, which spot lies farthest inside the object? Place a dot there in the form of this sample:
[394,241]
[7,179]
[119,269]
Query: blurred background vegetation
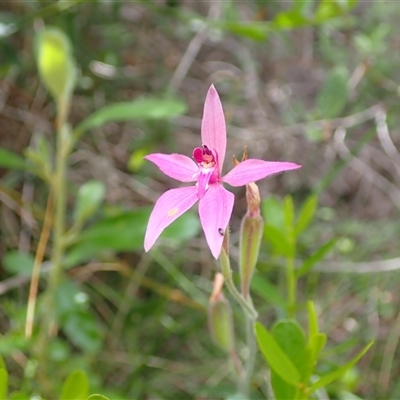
[313,82]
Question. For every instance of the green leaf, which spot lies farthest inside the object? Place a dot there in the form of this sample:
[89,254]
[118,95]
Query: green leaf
[125,232]
[3,383]
[136,159]
[67,299]
[90,196]
[97,397]
[291,339]
[273,213]
[302,6]
[316,257]
[346,395]
[332,98]
[13,342]
[11,160]
[278,240]
[316,345]
[252,30]
[291,19]
[18,263]
[313,328]
[146,108]
[59,350]
[83,330]
[75,387]
[2,363]
[18,396]
[275,356]
[328,9]
[268,292]
[329,378]
[55,62]
[288,208]
[306,214]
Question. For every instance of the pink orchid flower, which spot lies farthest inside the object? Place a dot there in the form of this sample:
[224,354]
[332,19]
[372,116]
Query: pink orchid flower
[215,202]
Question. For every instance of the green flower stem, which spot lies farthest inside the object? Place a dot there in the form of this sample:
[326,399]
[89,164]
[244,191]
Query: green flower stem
[58,187]
[247,306]
[250,315]
[291,281]
[291,277]
[252,349]
[237,365]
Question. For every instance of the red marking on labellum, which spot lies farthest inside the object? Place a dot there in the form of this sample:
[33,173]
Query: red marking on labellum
[204,156]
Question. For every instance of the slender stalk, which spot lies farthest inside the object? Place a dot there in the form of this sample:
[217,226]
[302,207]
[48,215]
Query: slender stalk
[236,362]
[240,372]
[291,281]
[252,350]
[227,272]
[251,315]
[33,289]
[58,188]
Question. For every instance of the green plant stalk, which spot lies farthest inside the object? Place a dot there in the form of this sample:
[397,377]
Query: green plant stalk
[227,272]
[252,349]
[251,316]
[251,232]
[291,278]
[59,227]
[58,186]
[291,281]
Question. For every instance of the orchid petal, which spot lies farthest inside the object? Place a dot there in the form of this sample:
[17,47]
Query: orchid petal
[177,166]
[215,210]
[171,205]
[252,170]
[213,129]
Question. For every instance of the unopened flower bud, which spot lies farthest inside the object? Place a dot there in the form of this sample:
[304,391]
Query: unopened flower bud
[55,62]
[220,320]
[249,246]
[253,199]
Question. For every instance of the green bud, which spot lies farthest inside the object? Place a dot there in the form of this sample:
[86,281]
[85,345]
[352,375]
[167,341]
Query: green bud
[55,62]
[221,324]
[249,247]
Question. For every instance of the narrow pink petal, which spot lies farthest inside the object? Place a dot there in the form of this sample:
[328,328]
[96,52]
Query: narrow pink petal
[215,210]
[177,166]
[213,130]
[171,205]
[252,170]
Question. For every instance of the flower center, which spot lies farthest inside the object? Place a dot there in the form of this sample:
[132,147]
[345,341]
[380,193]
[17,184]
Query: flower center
[204,157]
[207,168]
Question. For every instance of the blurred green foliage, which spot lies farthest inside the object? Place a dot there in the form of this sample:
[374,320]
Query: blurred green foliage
[294,71]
